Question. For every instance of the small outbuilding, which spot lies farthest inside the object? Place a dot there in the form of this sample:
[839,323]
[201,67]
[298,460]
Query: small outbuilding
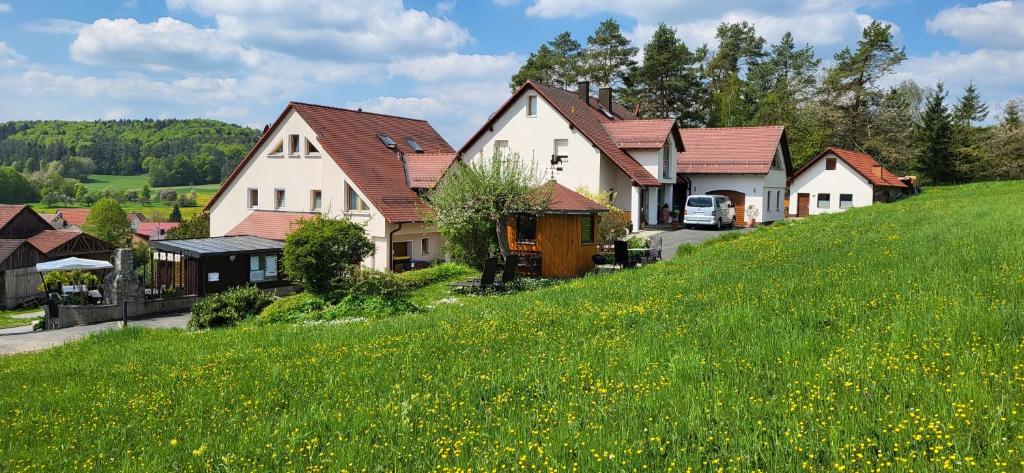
[562,241]
[209,265]
[839,179]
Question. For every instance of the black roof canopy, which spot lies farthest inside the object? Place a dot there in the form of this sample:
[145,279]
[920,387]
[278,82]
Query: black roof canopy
[218,246]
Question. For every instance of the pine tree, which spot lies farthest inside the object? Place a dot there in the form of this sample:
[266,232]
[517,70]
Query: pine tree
[667,84]
[539,67]
[175,214]
[970,108]
[892,142]
[934,137]
[739,49]
[609,55]
[1012,113]
[146,195]
[567,60]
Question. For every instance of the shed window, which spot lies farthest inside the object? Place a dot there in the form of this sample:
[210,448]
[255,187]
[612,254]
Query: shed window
[531,106]
[425,246]
[824,201]
[278,199]
[262,268]
[845,201]
[354,202]
[830,164]
[526,229]
[587,229]
[254,198]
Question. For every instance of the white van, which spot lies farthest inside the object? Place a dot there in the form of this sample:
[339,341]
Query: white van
[709,209]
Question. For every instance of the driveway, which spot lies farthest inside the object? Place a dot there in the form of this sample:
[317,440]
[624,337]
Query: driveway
[23,339]
[671,239]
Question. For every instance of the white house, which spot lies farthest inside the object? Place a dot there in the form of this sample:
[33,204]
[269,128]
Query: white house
[586,142]
[365,166]
[838,179]
[747,164]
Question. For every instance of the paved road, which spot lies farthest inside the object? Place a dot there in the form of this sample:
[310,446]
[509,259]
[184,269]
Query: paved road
[23,339]
[673,238]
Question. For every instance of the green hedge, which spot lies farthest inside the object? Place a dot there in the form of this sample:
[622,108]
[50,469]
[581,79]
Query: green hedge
[434,274]
[229,307]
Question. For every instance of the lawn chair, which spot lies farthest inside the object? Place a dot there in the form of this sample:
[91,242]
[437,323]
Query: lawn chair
[621,254]
[602,262]
[484,282]
[654,252]
[509,272]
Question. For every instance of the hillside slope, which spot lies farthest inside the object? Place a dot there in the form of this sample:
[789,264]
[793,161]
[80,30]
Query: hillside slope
[888,336]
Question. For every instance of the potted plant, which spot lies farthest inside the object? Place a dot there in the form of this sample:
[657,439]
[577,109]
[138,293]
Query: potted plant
[675,219]
[752,213]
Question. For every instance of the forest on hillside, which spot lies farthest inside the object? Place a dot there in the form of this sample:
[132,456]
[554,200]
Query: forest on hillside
[849,102]
[173,152]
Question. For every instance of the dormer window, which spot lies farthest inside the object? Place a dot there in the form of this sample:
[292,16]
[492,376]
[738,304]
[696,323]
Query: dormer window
[414,145]
[384,138]
[278,149]
[311,148]
[293,145]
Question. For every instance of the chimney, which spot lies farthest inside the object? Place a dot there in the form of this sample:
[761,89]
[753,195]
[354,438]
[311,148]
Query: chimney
[877,170]
[605,96]
[583,89]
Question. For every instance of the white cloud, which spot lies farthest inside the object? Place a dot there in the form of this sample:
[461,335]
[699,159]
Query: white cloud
[8,56]
[455,66]
[5,7]
[54,25]
[997,73]
[445,7]
[165,44]
[995,24]
[330,28]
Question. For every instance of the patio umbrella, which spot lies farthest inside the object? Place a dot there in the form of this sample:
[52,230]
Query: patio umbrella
[71,264]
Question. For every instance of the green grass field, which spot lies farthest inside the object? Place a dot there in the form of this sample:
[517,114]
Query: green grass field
[887,337]
[99,182]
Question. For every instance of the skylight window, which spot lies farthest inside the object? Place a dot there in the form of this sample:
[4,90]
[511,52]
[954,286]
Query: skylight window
[414,145]
[384,138]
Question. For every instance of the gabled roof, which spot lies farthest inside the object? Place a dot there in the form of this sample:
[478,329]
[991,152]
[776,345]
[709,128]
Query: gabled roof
[74,216]
[350,138]
[564,200]
[8,246]
[735,150]
[148,228]
[269,224]
[427,168]
[10,213]
[643,134]
[863,163]
[49,240]
[587,117]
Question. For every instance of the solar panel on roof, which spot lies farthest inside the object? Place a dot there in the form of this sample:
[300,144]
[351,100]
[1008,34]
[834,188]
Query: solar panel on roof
[384,138]
[414,145]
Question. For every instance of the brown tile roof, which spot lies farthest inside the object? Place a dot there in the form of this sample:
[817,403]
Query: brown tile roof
[350,138]
[640,134]
[426,169]
[74,216]
[863,163]
[8,212]
[269,224]
[588,118]
[7,247]
[153,228]
[737,150]
[49,240]
[567,201]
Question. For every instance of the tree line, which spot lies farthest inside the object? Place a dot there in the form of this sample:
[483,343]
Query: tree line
[173,152]
[909,128]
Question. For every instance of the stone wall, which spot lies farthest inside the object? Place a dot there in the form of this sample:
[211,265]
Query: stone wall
[70,315]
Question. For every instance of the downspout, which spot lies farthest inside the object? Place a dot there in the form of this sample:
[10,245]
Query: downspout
[391,252]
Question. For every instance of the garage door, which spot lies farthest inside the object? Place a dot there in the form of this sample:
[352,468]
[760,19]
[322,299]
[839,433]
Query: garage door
[737,198]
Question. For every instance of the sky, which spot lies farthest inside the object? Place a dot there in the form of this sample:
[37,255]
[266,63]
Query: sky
[446,61]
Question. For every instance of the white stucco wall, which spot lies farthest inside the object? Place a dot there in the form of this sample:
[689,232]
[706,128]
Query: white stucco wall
[841,180]
[299,176]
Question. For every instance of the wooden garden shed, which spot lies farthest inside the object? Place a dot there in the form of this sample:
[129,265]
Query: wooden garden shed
[563,240]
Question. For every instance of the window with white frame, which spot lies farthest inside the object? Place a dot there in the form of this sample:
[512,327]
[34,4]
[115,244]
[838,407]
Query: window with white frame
[315,199]
[254,198]
[531,106]
[561,155]
[311,149]
[293,145]
[353,201]
[278,199]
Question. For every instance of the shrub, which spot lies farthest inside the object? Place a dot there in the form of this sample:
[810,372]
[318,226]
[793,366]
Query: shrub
[370,282]
[638,242]
[434,274]
[614,224]
[322,253]
[368,307]
[293,308]
[229,307]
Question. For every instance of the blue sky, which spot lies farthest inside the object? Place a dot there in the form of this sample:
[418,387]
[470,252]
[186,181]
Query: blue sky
[447,61]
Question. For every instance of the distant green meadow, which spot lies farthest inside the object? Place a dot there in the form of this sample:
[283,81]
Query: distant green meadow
[100,182]
[887,338]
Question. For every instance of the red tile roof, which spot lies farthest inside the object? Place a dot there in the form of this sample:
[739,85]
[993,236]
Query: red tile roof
[8,212]
[49,240]
[640,134]
[269,224]
[863,163]
[152,228]
[74,216]
[588,118]
[8,246]
[426,169]
[350,138]
[738,150]
[567,201]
